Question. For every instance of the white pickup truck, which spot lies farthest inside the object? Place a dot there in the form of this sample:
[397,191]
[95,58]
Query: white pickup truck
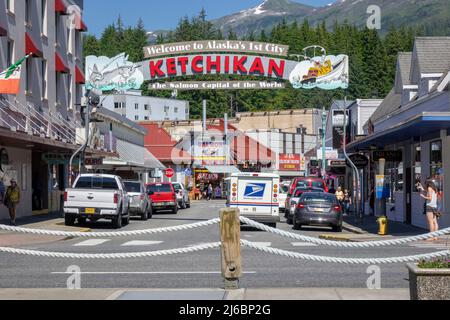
[95,197]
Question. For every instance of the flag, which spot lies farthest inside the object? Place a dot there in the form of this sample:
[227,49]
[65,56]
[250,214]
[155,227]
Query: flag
[10,79]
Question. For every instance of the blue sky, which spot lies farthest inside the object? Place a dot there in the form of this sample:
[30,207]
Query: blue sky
[163,14]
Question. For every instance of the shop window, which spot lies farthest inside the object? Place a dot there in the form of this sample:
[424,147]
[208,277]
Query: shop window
[417,170]
[436,168]
[394,178]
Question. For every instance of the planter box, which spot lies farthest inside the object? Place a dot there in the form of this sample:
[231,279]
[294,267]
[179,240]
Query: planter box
[429,284]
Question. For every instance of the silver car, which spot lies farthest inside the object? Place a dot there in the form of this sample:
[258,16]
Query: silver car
[182,195]
[140,202]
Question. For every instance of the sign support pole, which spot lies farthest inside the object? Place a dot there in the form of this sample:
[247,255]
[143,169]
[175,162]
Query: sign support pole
[324,154]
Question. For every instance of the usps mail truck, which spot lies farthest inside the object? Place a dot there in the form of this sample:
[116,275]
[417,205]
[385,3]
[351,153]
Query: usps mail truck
[256,195]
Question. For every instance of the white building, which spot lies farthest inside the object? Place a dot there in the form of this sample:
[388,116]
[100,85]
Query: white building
[136,107]
[37,127]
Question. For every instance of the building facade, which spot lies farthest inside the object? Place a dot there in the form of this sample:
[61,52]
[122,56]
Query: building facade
[410,131]
[136,107]
[38,125]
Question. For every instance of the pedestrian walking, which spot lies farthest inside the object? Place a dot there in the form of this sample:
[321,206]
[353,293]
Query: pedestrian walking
[12,199]
[347,202]
[431,210]
[210,192]
[340,196]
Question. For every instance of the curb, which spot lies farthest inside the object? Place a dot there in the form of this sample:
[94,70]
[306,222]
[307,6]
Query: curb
[336,238]
[352,229]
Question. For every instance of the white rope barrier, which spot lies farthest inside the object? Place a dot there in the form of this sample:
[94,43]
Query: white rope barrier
[370,244]
[372,261]
[134,255]
[110,234]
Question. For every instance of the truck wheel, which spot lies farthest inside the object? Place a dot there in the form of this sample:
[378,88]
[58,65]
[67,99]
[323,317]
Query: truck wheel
[297,226]
[183,205]
[175,210]
[126,220]
[150,212]
[144,216]
[117,221]
[69,220]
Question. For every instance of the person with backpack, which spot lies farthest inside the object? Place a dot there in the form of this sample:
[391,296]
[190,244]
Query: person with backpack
[431,209]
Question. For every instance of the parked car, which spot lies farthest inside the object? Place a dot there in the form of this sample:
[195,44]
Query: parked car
[163,197]
[294,200]
[140,203]
[95,197]
[284,189]
[318,209]
[182,195]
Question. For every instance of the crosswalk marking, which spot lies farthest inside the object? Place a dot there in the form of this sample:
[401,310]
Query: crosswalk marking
[263,244]
[137,243]
[91,242]
[303,244]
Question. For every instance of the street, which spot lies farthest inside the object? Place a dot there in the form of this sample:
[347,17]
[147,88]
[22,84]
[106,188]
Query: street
[202,269]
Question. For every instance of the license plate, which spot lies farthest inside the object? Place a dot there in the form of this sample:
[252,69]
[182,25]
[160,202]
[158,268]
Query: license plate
[319,210]
[159,204]
[90,211]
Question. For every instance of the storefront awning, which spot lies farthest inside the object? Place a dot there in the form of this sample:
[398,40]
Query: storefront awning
[61,6]
[79,76]
[223,169]
[60,65]
[31,47]
[129,155]
[419,125]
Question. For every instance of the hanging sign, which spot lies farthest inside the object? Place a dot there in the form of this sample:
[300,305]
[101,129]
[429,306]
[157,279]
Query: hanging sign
[313,69]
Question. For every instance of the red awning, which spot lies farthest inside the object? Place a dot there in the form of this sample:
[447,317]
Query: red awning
[79,23]
[60,65]
[31,47]
[79,76]
[61,6]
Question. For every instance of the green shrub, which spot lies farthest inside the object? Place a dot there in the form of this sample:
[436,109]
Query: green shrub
[441,263]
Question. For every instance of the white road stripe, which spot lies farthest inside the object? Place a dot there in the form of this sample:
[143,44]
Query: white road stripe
[430,246]
[263,244]
[137,243]
[155,272]
[303,244]
[91,243]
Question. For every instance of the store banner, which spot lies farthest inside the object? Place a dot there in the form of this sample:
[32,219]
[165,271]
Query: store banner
[291,162]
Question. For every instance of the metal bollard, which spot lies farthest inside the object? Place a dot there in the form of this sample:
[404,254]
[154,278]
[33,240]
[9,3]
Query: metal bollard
[230,234]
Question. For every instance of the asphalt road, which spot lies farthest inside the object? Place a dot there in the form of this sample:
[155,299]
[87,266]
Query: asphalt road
[198,270]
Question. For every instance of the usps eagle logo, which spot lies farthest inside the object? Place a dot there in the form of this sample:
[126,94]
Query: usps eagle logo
[255,190]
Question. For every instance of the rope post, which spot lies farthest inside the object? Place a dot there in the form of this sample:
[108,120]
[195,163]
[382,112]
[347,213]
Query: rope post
[230,234]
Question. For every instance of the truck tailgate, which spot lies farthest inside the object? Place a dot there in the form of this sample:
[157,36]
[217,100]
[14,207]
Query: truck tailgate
[88,198]
[255,196]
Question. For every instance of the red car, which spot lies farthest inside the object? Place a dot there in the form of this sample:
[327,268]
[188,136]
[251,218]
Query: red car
[307,182]
[163,197]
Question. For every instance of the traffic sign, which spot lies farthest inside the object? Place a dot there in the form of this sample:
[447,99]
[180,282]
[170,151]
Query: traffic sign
[170,173]
[188,172]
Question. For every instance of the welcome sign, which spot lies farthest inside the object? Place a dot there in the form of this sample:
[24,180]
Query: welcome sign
[240,58]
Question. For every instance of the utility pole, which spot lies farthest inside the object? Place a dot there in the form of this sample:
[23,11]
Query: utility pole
[324,133]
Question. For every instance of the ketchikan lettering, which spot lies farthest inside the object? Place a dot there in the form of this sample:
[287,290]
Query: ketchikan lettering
[216,64]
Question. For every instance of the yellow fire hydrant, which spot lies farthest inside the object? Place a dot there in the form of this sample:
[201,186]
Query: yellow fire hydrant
[383,224]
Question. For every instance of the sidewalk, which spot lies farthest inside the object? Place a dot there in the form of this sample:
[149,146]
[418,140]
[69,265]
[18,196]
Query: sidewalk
[45,222]
[293,294]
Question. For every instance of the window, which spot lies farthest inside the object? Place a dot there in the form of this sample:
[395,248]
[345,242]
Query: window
[417,171]
[58,86]
[136,106]
[132,187]
[166,109]
[146,107]
[10,53]
[29,65]
[44,79]
[10,5]
[97,183]
[176,110]
[116,105]
[146,118]
[436,168]
[28,4]
[69,92]
[136,118]
[159,188]
[44,23]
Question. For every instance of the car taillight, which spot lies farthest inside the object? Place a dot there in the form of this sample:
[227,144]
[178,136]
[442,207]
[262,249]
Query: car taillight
[301,206]
[65,196]
[337,208]
[116,198]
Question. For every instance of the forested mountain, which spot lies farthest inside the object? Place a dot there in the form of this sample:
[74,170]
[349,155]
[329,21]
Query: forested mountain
[432,13]
[372,60]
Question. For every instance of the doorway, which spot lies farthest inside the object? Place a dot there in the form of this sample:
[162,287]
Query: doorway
[408,198]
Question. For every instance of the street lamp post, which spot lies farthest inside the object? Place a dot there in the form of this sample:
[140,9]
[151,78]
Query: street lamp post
[324,153]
